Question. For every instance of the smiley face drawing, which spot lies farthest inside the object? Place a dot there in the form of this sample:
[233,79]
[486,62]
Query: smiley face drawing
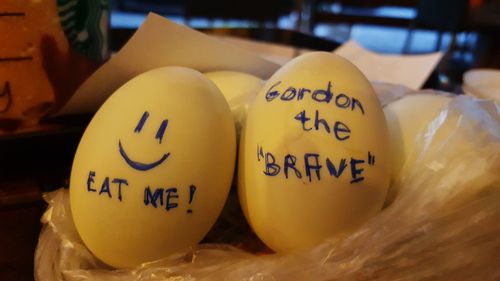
[155,141]
[159,136]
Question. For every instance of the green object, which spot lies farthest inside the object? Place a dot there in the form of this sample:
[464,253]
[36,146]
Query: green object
[85,24]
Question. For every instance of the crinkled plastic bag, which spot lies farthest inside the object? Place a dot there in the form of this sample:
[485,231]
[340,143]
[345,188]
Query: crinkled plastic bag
[443,225]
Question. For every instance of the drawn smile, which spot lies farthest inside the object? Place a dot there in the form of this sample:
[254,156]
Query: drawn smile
[138,165]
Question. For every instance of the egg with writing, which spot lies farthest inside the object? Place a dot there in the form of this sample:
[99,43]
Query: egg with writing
[314,157]
[153,168]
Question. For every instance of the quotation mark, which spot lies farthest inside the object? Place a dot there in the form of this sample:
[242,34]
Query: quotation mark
[260,153]
[371,159]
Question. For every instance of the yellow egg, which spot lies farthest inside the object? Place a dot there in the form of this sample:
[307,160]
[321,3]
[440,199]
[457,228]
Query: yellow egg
[239,89]
[314,158]
[406,119]
[154,167]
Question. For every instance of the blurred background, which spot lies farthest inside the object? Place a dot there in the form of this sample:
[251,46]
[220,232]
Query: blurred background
[467,30]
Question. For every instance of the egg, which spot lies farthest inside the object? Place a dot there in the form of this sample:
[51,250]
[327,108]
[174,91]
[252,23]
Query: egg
[406,119]
[314,158]
[153,168]
[239,88]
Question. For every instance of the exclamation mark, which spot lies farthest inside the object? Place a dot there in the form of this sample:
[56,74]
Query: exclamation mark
[192,190]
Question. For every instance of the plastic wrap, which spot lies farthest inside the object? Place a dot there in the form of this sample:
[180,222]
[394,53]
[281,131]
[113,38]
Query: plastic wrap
[443,224]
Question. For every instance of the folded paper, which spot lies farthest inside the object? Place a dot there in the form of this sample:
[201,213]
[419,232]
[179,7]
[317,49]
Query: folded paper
[408,70]
[161,42]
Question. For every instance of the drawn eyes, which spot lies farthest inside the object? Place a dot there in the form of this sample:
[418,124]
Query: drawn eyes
[161,130]
[144,117]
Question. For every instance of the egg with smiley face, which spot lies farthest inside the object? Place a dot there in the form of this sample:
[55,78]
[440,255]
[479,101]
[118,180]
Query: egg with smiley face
[153,168]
